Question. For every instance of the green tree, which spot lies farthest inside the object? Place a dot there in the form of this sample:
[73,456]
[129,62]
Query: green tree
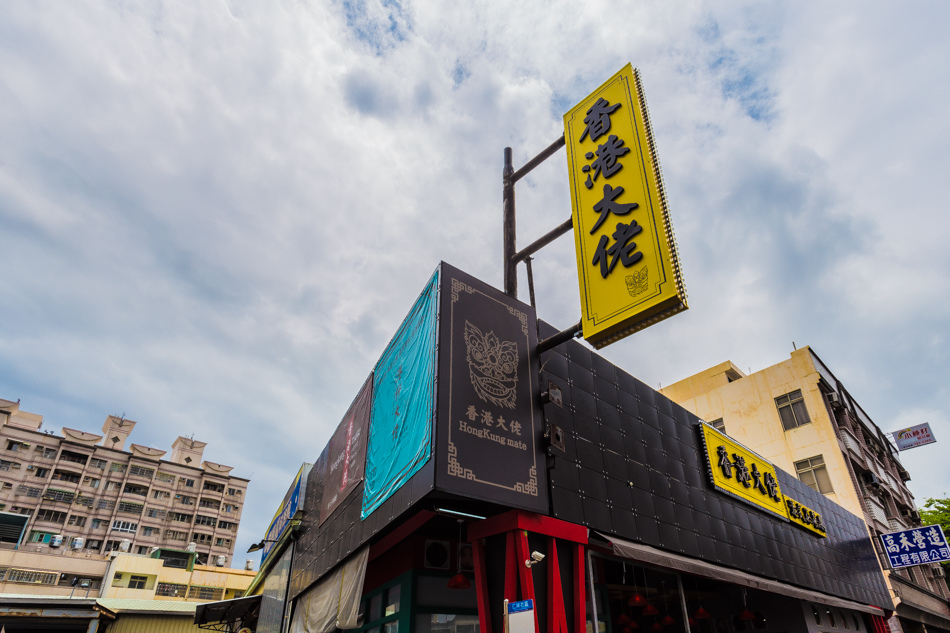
[937,511]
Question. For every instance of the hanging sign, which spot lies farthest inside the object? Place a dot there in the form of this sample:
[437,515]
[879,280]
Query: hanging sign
[627,264]
[913,437]
[918,546]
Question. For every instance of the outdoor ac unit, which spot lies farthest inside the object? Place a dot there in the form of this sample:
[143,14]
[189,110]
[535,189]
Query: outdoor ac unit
[437,555]
[31,467]
[220,560]
[192,547]
[78,542]
[938,571]
[125,545]
[834,400]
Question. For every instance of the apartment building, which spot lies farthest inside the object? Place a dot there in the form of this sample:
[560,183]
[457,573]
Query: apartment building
[88,492]
[798,415]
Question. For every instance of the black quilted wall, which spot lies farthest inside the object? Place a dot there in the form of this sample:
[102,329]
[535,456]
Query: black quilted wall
[634,467]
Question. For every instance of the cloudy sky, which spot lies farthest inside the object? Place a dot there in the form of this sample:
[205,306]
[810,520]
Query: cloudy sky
[214,214]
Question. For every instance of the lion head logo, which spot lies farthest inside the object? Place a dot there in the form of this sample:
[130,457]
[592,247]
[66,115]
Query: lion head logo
[492,366]
[638,282]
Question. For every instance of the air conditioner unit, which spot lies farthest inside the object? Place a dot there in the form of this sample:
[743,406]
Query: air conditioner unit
[249,564]
[938,571]
[220,560]
[78,542]
[871,479]
[31,467]
[125,545]
[437,554]
[192,547]
[834,401]
[56,540]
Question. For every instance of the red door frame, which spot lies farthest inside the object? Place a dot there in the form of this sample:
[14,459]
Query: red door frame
[516,524]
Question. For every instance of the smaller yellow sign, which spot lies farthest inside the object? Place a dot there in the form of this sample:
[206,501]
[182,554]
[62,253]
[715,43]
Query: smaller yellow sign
[737,471]
[627,265]
[805,517]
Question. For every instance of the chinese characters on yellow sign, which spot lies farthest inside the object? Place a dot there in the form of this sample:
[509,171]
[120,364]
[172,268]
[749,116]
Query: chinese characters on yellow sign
[627,264]
[737,471]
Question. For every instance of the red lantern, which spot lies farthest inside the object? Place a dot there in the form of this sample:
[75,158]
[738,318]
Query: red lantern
[746,615]
[637,600]
[667,620]
[459,581]
[702,614]
[650,610]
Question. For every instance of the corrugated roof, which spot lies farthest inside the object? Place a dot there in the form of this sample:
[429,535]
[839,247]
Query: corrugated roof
[129,605]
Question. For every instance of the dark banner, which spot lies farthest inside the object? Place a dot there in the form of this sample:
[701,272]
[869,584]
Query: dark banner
[489,422]
[347,452]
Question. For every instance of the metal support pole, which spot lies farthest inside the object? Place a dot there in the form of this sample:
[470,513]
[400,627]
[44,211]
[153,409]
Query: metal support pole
[508,246]
[527,264]
[544,240]
[560,337]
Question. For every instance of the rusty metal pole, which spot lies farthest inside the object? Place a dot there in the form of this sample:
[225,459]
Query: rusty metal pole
[508,219]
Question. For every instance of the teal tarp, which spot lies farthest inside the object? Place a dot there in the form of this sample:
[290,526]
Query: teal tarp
[400,427]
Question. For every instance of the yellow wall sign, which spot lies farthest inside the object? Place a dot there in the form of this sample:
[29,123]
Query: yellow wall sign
[737,471]
[628,268]
[805,517]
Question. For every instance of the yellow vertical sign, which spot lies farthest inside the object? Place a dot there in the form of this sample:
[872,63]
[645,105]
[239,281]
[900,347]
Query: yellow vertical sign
[628,268]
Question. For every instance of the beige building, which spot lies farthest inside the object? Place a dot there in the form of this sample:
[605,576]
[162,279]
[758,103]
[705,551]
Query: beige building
[164,575]
[798,415]
[89,494]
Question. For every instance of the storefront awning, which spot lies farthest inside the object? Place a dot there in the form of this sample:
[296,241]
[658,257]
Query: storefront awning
[659,558]
[228,615]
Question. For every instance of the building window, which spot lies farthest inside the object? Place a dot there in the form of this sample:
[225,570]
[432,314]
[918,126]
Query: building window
[5,465]
[160,494]
[96,524]
[141,471]
[213,487]
[116,467]
[92,482]
[209,503]
[175,535]
[137,582]
[187,483]
[135,489]
[205,520]
[205,593]
[93,544]
[226,525]
[15,446]
[112,486]
[178,516]
[67,476]
[77,520]
[170,590]
[131,508]
[718,425]
[222,542]
[28,491]
[98,463]
[201,539]
[791,408]
[47,453]
[32,577]
[142,549]
[41,472]
[76,458]
[156,513]
[149,531]
[40,537]
[51,515]
[125,526]
[185,500]
[813,473]
[59,495]
[105,504]
[233,492]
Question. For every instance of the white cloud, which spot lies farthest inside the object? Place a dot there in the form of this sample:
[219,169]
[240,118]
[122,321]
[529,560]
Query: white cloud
[215,215]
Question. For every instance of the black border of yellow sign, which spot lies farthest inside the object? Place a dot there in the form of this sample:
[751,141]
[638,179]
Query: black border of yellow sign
[635,295]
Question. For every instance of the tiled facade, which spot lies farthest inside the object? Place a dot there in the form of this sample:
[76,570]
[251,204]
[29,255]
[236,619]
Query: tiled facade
[99,496]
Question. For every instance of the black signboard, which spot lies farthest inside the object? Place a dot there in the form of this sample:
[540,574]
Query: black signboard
[489,429]
[347,452]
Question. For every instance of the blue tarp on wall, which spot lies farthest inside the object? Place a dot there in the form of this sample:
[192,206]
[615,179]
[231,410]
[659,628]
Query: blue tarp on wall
[400,428]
